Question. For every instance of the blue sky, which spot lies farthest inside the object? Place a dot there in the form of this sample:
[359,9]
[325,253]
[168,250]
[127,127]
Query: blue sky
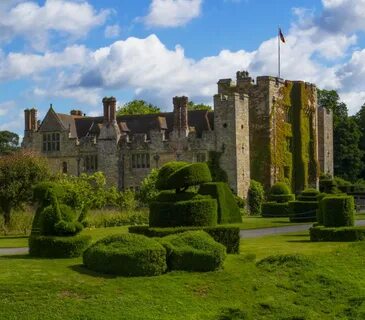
[73,52]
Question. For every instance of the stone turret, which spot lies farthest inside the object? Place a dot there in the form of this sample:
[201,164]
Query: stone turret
[181,125]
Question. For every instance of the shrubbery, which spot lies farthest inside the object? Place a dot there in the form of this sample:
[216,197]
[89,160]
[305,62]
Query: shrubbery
[320,233]
[196,212]
[127,255]
[228,210]
[256,197]
[165,171]
[229,236]
[275,209]
[193,251]
[279,188]
[281,198]
[303,211]
[58,247]
[338,211]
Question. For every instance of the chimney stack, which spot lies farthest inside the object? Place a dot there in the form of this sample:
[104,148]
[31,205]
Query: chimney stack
[110,106]
[76,113]
[181,113]
[26,120]
[33,119]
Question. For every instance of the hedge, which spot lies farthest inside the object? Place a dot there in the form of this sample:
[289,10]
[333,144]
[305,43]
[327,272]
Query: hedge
[328,186]
[321,233]
[165,171]
[229,236]
[303,211]
[275,209]
[190,175]
[281,198]
[58,247]
[256,196]
[193,251]
[279,188]
[228,210]
[338,211]
[126,255]
[310,192]
[200,212]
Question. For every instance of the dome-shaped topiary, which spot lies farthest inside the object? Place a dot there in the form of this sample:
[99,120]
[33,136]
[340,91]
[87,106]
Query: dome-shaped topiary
[127,255]
[280,188]
[166,171]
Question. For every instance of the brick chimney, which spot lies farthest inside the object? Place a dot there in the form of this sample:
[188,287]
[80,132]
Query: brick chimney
[106,110]
[113,109]
[33,119]
[181,113]
[76,113]
[26,120]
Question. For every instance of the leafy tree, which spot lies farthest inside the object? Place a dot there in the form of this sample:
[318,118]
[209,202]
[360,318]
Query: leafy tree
[137,107]
[347,135]
[19,172]
[148,188]
[200,106]
[9,142]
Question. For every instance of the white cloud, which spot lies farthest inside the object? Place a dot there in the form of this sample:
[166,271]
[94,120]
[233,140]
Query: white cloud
[172,13]
[112,31]
[6,107]
[34,22]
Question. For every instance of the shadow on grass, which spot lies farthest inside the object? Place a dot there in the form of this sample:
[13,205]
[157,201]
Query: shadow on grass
[80,268]
[16,256]
[300,241]
[296,235]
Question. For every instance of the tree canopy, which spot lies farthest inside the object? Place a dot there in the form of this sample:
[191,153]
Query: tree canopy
[9,141]
[198,106]
[137,107]
[347,137]
[19,172]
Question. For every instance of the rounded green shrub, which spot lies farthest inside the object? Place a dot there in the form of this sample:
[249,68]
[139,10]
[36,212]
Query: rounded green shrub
[303,211]
[165,171]
[196,212]
[281,198]
[228,210]
[190,175]
[126,255]
[58,247]
[193,251]
[275,209]
[338,211]
[279,188]
[310,192]
[256,197]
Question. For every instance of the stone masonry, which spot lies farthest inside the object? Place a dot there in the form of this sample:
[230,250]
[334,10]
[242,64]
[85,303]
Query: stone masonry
[126,148]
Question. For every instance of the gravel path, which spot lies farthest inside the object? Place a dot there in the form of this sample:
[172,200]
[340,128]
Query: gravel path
[244,234]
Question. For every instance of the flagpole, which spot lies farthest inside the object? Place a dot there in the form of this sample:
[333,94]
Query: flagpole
[279,58]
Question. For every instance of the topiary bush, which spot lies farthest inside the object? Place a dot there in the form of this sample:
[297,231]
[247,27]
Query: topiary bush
[58,247]
[196,212]
[126,255]
[165,171]
[279,188]
[227,235]
[303,211]
[228,210]
[281,198]
[344,234]
[338,211]
[275,209]
[189,175]
[193,251]
[256,197]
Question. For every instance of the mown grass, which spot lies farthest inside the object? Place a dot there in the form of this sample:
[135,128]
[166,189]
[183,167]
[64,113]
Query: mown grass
[302,281]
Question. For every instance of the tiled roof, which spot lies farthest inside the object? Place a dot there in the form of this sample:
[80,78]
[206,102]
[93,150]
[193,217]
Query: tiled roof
[81,126]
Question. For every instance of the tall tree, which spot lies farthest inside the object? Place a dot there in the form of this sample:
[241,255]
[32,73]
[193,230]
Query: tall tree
[137,107]
[9,141]
[347,135]
[198,106]
[19,172]
[360,120]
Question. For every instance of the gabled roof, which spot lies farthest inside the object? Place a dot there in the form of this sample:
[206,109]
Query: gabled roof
[81,126]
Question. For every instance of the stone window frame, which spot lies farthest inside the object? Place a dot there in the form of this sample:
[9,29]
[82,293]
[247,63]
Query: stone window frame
[91,163]
[140,161]
[51,141]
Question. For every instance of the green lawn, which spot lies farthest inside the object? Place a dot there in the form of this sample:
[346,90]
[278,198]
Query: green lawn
[327,281]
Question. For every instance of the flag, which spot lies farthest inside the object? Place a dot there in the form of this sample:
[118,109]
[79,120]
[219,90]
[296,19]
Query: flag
[281,36]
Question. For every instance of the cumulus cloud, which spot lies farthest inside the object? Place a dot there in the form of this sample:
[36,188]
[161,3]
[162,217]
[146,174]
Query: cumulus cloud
[172,13]
[112,31]
[6,106]
[34,22]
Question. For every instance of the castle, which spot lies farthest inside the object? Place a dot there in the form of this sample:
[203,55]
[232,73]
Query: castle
[268,130]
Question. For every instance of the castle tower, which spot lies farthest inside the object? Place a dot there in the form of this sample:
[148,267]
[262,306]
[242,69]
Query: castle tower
[108,155]
[231,126]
